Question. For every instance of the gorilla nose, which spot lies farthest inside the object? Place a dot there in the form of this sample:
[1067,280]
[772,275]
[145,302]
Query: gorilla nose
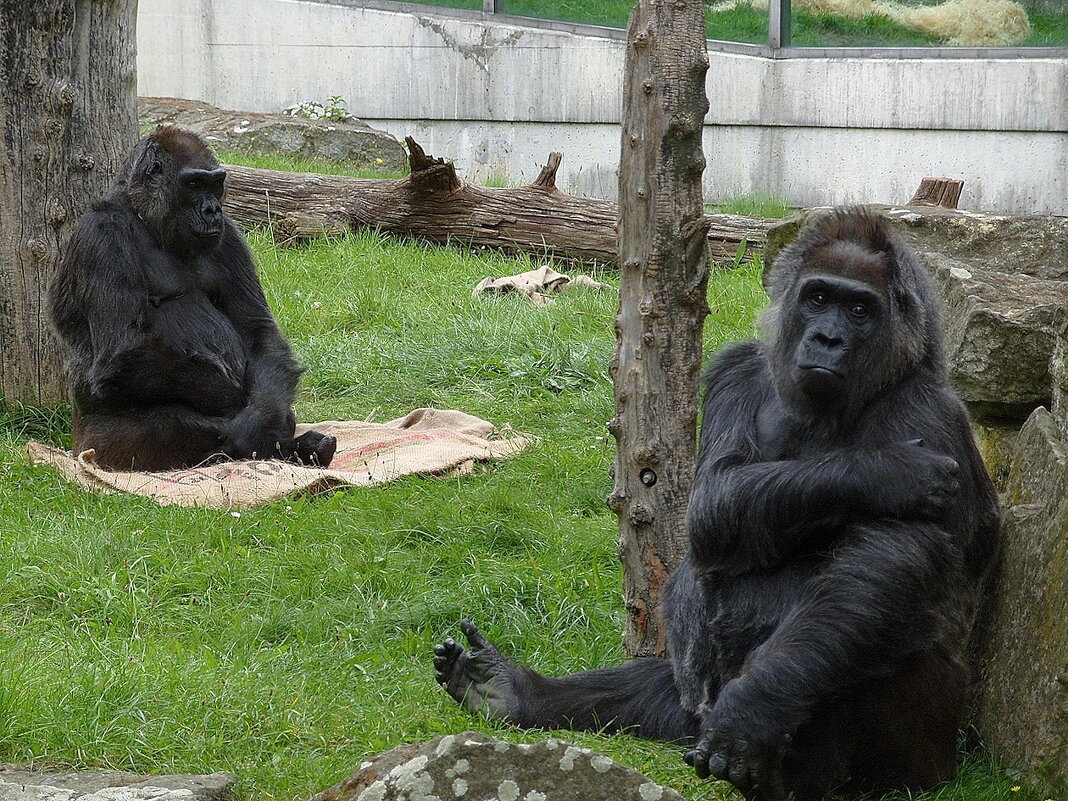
[827,340]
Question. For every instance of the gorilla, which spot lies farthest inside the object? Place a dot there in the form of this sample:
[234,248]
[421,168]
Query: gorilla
[171,353]
[842,531]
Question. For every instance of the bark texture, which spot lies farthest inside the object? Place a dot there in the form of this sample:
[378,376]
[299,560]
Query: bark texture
[434,203]
[662,303]
[68,116]
[943,192]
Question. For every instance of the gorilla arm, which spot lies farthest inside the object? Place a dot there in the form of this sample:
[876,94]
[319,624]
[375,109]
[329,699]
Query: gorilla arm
[748,511]
[272,373]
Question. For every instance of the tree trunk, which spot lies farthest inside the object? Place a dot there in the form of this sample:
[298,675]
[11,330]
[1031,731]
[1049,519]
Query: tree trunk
[434,203]
[662,303]
[68,113]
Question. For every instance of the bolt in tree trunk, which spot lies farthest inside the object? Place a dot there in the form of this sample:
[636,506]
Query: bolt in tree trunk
[68,116]
[662,304]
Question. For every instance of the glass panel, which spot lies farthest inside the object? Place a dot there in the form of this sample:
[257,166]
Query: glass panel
[471,4]
[732,20]
[737,21]
[838,23]
[930,23]
[610,13]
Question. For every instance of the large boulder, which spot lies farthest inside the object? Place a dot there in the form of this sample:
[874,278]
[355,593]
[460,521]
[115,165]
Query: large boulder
[475,766]
[1003,280]
[1032,244]
[999,335]
[351,141]
[31,784]
[1022,712]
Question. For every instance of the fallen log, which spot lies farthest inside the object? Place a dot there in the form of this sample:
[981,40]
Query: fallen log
[435,204]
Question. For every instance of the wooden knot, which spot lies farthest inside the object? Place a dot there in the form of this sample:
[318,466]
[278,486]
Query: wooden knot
[641,515]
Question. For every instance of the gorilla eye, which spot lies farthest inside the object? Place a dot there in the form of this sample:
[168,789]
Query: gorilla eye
[859,311]
[818,300]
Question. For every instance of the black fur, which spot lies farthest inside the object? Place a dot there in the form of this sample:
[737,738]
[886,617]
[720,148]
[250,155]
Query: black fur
[842,529]
[171,353]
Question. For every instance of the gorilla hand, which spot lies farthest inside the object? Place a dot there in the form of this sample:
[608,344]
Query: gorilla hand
[931,481]
[246,436]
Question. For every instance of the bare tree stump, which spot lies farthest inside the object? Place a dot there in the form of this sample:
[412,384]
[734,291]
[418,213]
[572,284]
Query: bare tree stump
[68,110]
[433,203]
[943,192]
[662,304]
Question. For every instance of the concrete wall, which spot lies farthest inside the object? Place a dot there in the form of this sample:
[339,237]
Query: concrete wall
[497,96]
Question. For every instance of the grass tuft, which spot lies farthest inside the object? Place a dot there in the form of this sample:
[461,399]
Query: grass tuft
[285,163]
[754,204]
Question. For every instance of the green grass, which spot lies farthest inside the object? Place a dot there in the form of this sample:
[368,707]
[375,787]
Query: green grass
[290,643]
[753,204]
[745,24]
[285,163]
[1049,27]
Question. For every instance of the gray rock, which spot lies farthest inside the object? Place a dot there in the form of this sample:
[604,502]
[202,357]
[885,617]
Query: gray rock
[25,784]
[1031,244]
[1058,368]
[474,766]
[1003,280]
[1022,712]
[351,142]
[999,335]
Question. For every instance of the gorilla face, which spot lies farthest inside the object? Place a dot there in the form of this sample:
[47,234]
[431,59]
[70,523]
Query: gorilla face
[198,200]
[176,187]
[839,317]
[832,339]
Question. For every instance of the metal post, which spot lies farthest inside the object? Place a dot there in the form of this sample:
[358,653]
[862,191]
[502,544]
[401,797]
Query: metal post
[778,24]
[491,6]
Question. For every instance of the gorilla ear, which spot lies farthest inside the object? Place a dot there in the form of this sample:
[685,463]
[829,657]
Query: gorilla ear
[150,161]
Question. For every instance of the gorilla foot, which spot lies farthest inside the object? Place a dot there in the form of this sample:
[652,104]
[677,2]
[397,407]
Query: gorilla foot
[756,770]
[313,448]
[479,678]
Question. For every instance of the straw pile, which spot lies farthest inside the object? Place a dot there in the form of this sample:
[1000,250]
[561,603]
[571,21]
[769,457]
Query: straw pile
[957,23]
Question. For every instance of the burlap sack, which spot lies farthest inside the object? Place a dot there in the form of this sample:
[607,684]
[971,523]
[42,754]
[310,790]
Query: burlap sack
[536,284]
[424,441]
